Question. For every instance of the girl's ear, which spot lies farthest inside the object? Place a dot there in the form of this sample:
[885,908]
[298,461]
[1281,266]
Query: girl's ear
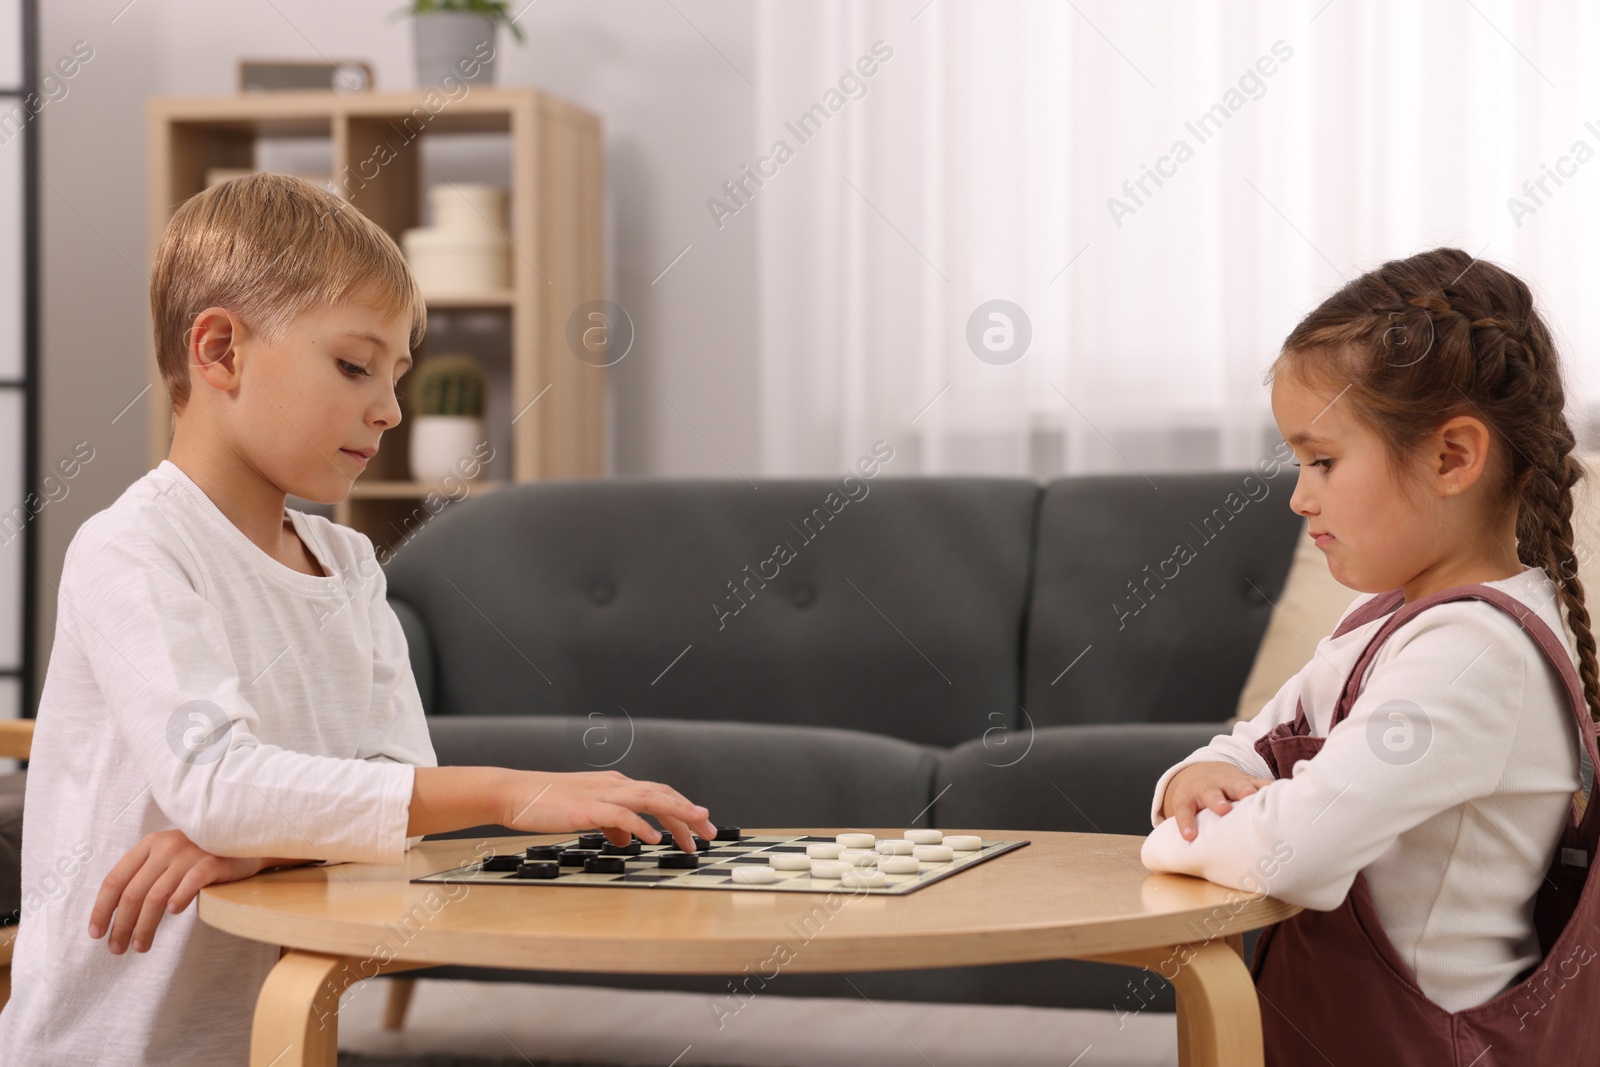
[1462,446]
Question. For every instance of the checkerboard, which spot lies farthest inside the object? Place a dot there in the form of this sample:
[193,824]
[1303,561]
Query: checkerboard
[716,868]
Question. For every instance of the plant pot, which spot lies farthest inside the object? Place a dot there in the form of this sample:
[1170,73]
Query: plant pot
[446,446]
[454,45]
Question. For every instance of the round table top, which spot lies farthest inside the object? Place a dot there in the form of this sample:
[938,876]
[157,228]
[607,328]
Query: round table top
[1065,895]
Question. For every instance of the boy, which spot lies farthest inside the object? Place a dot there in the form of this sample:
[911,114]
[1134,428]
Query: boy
[228,689]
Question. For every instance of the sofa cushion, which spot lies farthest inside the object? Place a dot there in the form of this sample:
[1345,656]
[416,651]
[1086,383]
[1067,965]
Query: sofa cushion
[1149,603]
[745,774]
[899,611]
[1076,779]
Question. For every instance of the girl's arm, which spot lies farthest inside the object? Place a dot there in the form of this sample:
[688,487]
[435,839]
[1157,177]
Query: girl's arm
[1237,747]
[1431,731]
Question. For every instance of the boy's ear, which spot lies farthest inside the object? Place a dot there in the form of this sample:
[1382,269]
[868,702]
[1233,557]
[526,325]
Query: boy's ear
[210,346]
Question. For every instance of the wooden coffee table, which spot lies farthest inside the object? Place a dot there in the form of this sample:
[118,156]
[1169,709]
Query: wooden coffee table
[1065,896]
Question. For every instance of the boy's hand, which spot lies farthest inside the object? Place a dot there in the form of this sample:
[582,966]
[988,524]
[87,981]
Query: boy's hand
[1206,785]
[161,873]
[546,802]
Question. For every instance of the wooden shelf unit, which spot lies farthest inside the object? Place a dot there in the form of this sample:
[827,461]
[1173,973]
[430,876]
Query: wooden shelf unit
[555,230]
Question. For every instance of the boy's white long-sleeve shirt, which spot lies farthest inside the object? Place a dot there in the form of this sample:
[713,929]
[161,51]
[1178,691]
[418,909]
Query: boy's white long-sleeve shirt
[197,683]
[1448,784]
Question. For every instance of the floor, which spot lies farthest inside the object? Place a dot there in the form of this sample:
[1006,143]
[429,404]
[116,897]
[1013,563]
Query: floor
[657,1029]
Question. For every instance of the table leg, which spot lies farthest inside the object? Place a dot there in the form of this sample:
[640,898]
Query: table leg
[1219,1017]
[297,1013]
[394,1012]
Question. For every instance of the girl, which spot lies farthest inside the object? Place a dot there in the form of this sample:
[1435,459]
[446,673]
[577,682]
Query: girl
[1413,787]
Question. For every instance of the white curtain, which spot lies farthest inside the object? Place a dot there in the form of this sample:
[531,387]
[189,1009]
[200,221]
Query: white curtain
[980,163]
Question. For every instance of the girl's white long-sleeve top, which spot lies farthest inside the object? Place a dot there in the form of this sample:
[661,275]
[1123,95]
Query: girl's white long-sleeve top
[197,683]
[1448,784]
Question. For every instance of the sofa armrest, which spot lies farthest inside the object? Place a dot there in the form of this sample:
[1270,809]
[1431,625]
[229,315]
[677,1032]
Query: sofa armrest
[16,738]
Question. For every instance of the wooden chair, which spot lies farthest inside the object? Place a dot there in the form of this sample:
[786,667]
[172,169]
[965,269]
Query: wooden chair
[16,740]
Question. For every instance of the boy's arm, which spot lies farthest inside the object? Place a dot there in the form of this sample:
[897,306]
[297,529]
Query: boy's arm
[537,802]
[450,798]
[442,798]
[396,727]
[157,652]
[396,721]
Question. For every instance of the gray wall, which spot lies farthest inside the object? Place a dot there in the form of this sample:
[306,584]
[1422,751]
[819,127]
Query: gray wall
[678,116]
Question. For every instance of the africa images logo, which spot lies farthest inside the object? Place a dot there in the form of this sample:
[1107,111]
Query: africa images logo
[198,732]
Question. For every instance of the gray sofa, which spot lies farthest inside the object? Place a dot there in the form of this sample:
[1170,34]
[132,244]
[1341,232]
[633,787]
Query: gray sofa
[943,651]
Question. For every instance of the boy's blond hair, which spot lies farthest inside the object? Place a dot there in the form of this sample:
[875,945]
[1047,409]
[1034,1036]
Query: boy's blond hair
[269,247]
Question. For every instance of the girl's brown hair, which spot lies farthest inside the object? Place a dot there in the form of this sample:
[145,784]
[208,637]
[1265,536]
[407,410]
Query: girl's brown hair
[1421,340]
[269,247]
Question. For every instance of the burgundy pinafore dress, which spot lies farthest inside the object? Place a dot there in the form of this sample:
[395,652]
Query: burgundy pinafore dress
[1334,991]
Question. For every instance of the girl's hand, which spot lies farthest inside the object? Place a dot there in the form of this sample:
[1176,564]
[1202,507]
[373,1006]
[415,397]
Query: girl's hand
[162,873]
[1213,785]
[547,802]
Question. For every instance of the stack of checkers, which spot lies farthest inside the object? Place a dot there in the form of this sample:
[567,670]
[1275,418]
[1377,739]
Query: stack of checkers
[731,860]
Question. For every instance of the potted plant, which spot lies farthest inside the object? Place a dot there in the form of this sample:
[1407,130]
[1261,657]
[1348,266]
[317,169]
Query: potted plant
[455,39]
[447,410]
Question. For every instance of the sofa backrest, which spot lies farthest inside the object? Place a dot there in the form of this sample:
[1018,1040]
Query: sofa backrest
[935,610]
[1149,600]
[893,605]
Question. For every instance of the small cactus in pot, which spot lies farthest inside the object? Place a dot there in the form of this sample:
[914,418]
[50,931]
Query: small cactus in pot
[447,406]
[449,385]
